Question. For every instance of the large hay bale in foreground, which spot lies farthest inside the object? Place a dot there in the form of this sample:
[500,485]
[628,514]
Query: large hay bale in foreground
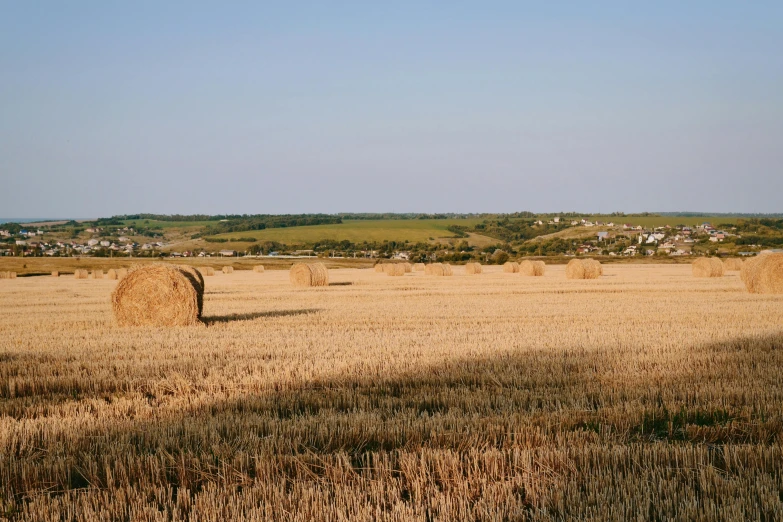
[207,271]
[309,274]
[80,273]
[707,267]
[97,274]
[419,267]
[473,268]
[511,267]
[111,274]
[531,268]
[228,269]
[198,282]
[732,263]
[394,269]
[584,269]
[259,269]
[157,295]
[55,273]
[764,274]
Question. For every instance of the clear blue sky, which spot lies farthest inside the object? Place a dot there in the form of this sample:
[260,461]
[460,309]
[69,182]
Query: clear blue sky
[287,107]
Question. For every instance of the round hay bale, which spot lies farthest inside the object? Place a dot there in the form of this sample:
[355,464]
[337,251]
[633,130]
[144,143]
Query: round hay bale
[472,268]
[419,267]
[707,267]
[5,275]
[122,272]
[764,274]
[394,269]
[198,282]
[259,269]
[111,274]
[207,271]
[228,269]
[532,268]
[80,273]
[55,273]
[435,269]
[732,263]
[408,267]
[309,274]
[584,269]
[511,267]
[157,295]
[574,269]
[447,271]
[379,267]
[97,274]
[13,275]
[593,269]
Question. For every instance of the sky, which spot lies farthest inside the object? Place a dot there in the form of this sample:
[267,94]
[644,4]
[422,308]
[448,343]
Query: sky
[110,108]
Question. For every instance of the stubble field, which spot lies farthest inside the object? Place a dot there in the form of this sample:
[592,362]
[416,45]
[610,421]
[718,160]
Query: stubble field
[643,395]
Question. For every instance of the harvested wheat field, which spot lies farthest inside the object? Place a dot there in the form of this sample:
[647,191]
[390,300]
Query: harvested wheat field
[645,394]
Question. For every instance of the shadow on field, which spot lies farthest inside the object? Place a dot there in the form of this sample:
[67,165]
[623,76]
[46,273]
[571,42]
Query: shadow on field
[723,393]
[215,319]
[342,283]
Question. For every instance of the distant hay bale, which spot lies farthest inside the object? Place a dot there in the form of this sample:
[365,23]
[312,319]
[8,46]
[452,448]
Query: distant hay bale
[732,263]
[379,267]
[111,274]
[228,269]
[122,272]
[157,295]
[12,275]
[593,269]
[408,267]
[447,271]
[511,267]
[435,269]
[55,273]
[97,274]
[707,267]
[419,267]
[207,271]
[394,269]
[532,268]
[258,269]
[584,269]
[309,274]
[7,275]
[473,268]
[764,274]
[81,274]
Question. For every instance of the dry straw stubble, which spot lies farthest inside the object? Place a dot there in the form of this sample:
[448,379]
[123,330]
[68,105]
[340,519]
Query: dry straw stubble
[309,274]
[157,295]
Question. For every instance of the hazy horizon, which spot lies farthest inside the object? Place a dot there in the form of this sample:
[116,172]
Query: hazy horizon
[196,108]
